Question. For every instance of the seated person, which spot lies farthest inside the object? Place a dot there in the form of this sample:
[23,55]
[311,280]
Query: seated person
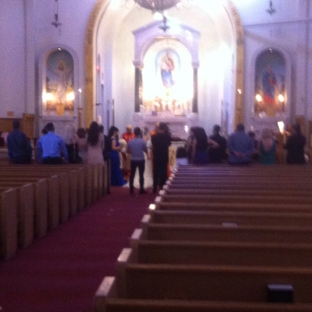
[240,146]
[255,154]
[19,148]
[51,147]
[217,153]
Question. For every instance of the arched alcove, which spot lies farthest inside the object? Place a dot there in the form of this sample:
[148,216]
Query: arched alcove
[109,34]
[58,98]
[271,97]
[270,84]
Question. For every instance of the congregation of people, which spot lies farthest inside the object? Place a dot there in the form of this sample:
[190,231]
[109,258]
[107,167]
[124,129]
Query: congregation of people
[140,159]
[242,148]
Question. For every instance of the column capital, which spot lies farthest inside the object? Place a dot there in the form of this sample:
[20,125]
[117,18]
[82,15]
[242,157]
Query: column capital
[138,64]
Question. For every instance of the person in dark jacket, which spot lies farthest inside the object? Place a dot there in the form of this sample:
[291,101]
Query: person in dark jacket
[295,146]
[19,148]
[160,142]
[217,153]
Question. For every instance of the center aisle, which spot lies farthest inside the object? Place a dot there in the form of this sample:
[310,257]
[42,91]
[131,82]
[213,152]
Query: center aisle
[61,271]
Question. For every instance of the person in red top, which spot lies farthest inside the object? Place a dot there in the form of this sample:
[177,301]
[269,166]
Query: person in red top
[127,136]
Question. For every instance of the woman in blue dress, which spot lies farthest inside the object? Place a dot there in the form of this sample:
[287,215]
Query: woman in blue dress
[116,174]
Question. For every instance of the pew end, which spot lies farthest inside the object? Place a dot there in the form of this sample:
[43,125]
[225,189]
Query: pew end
[8,223]
[106,290]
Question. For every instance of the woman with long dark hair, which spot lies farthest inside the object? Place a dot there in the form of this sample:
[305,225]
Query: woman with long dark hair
[116,174]
[95,145]
[199,146]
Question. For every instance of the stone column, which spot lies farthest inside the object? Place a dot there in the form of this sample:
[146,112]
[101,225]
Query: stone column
[138,101]
[195,87]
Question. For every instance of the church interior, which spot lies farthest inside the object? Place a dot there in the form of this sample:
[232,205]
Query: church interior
[245,232]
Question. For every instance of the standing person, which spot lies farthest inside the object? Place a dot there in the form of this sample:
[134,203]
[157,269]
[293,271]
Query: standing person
[295,146]
[189,145]
[241,147]
[137,147]
[255,154]
[51,147]
[95,145]
[267,147]
[116,174]
[19,148]
[128,135]
[200,146]
[217,153]
[82,144]
[160,142]
[71,144]
[107,144]
[107,148]
[148,172]
[126,158]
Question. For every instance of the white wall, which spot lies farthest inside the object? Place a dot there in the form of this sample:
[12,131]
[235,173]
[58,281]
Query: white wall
[12,58]
[289,29]
[288,34]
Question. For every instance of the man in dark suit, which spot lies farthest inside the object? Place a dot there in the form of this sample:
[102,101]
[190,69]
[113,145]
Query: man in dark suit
[160,141]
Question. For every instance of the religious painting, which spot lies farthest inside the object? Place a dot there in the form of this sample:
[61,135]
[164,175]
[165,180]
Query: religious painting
[59,95]
[270,93]
[167,85]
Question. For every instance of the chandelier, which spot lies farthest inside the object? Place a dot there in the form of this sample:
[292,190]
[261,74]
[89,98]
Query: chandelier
[157,5]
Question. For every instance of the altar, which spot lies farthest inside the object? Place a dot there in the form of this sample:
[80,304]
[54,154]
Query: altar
[178,125]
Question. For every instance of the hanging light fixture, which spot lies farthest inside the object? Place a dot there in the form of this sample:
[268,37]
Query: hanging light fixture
[157,5]
[164,25]
[56,22]
[271,10]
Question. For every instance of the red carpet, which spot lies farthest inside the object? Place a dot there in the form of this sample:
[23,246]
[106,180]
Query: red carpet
[61,271]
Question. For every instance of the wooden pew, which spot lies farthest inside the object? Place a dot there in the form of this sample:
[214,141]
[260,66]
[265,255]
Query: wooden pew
[242,207]
[230,265]
[225,233]
[8,223]
[228,217]
[230,191]
[265,199]
[25,213]
[40,209]
[220,283]
[222,253]
[106,300]
[235,186]
[53,189]
[62,194]
[207,282]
